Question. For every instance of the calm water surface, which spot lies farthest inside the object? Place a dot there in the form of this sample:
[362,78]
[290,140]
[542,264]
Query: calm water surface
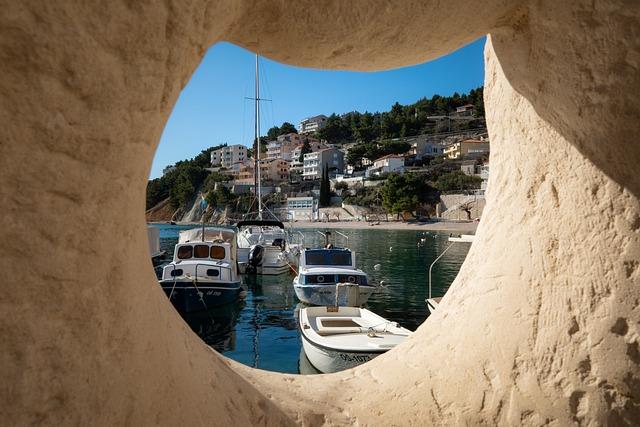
[261,330]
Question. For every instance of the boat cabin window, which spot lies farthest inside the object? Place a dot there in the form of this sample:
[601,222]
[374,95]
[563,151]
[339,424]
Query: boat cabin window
[217,252]
[328,257]
[201,251]
[185,252]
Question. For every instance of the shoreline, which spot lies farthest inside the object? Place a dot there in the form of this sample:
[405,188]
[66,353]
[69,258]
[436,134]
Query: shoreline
[457,226]
[454,226]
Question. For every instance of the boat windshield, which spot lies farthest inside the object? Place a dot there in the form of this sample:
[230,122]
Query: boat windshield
[337,257]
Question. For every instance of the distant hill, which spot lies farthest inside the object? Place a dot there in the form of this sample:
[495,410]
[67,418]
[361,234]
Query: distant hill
[422,117]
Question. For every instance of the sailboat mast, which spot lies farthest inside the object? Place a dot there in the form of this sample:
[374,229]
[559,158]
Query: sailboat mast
[258,185]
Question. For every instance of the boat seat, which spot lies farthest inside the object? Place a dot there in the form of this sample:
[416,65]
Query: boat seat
[337,325]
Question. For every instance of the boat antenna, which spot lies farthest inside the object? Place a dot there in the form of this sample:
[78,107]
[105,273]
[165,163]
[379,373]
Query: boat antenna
[257,183]
[203,204]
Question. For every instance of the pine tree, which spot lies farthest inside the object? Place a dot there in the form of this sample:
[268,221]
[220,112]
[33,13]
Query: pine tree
[325,187]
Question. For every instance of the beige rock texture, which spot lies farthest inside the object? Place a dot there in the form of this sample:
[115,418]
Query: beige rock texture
[542,325]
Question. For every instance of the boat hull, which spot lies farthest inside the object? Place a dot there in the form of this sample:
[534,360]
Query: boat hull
[325,295]
[274,262]
[186,298]
[328,360]
[266,270]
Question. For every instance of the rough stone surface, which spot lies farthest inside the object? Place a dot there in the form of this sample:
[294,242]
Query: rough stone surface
[541,326]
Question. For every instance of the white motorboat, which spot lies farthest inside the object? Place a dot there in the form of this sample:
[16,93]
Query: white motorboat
[433,302]
[153,236]
[319,272]
[338,338]
[264,248]
[203,273]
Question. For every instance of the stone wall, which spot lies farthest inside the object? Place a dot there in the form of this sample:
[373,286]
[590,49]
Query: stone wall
[541,326]
[450,206]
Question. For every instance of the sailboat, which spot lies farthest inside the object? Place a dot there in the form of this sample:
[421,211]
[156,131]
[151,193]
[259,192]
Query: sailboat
[264,246]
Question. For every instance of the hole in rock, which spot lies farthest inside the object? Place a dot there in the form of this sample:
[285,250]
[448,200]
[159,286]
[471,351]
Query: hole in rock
[369,174]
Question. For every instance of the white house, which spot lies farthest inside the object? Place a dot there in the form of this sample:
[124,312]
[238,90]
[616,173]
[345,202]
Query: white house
[226,156]
[312,124]
[386,164]
[314,163]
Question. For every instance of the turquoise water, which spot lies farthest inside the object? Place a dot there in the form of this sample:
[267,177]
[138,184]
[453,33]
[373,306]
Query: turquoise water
[261,330]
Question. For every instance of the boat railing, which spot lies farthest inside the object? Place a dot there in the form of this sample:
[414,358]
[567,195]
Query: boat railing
[296,233]
[327,235]
[464,238]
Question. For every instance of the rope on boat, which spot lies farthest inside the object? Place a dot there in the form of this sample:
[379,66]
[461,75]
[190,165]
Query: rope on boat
[200,293]
[172,288]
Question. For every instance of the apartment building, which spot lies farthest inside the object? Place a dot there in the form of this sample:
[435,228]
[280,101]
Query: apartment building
[312,124]
[274,170]
[386,164]
[289,146]
[470,148]
[226,156]
[314,163]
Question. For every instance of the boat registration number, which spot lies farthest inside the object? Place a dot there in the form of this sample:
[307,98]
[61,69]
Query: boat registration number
[355,357]
[214,293]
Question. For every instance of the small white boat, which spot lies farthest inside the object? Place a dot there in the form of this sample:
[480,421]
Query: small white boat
[338,338]
[264,248]
[203,273]
[153,236]
[321,269]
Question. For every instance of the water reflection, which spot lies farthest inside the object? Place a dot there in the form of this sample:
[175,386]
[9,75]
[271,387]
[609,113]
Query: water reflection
[217,326]
[262,330]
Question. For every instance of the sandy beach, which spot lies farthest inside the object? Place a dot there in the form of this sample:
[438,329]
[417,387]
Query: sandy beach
[454,226]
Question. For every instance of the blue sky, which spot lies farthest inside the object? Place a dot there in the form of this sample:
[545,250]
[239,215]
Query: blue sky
[212,108]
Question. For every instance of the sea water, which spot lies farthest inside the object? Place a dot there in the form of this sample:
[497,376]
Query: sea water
[261,329]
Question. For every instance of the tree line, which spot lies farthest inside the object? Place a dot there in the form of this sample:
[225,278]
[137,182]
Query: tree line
[402,120]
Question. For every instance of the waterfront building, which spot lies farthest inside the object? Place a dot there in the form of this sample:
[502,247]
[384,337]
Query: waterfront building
[386,164]
[302,208]
[312,124]
[314,163]
[226,156]
[470,148]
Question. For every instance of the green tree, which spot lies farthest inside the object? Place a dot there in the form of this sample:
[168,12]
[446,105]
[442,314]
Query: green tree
[306,148]
[335,130]
[220,197]
[406,192]
[341,185]
[287,128]
[325,187]
[457,180]
[276,131]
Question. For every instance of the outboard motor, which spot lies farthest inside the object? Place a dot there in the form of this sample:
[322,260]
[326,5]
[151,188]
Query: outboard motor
[255,259]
